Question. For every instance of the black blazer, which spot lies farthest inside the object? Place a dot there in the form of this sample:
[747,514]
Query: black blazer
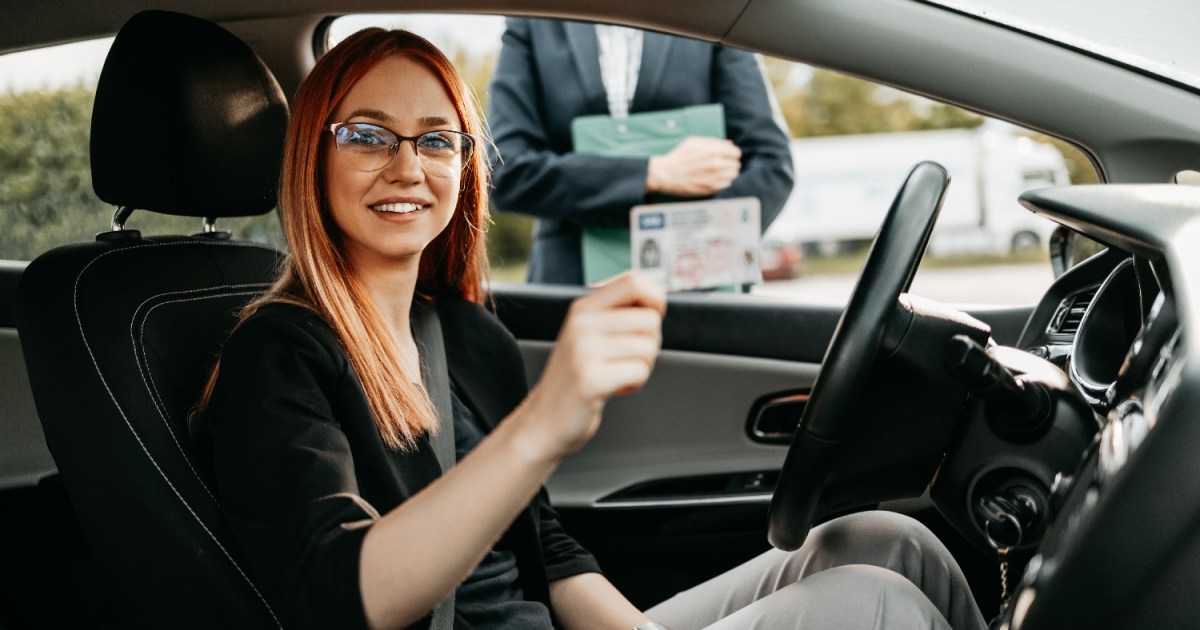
[549,73]
[301,469]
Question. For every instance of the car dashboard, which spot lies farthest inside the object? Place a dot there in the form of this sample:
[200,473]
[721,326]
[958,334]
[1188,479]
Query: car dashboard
[1123,549]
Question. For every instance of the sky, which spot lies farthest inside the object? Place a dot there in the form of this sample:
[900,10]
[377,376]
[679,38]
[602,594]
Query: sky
[68,64]
[479,34]
[53,67]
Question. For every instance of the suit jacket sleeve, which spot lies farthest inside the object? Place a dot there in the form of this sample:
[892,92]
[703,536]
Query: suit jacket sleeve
[285,474]
[536,172]
[753,124]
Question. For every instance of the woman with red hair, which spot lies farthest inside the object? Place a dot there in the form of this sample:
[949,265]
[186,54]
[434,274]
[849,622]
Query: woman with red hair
[332,408]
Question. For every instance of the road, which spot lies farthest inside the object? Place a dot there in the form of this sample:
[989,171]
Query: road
[997,284]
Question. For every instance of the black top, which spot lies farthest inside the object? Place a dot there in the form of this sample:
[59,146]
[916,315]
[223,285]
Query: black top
[301,469]
[491,598]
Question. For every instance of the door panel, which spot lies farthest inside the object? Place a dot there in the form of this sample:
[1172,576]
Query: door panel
[24,458]
[723,355]
[673,490]
[690,420]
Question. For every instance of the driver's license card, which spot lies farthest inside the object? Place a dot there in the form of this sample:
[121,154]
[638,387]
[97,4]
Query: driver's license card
[697,244]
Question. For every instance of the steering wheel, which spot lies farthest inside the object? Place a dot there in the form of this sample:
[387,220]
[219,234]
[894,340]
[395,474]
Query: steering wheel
[829,416]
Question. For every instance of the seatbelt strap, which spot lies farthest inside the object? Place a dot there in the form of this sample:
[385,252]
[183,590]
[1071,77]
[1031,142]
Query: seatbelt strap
[427,330]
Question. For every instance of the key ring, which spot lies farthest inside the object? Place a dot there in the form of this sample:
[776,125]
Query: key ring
[1016,523]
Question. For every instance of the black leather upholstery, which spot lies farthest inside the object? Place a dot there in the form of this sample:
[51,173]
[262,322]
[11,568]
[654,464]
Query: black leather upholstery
[119,334]
[187,121]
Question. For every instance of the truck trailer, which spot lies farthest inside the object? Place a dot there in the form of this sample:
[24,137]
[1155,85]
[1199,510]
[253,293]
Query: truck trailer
[845,184]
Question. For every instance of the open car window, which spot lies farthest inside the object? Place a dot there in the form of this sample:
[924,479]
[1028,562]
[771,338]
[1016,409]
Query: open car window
[852,144]
[853,141]
[46,99]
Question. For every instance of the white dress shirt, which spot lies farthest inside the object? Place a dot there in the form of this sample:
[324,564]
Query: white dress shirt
[620,63]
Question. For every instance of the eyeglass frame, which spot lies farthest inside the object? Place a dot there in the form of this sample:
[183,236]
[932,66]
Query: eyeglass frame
[394,149]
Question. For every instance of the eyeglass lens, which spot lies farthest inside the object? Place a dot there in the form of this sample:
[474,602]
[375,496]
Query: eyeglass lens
[371,147]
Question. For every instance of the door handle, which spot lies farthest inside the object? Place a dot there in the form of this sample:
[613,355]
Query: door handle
[775,418]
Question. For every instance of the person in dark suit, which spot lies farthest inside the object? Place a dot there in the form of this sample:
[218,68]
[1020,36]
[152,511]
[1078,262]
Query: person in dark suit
[376,449]
[551,72]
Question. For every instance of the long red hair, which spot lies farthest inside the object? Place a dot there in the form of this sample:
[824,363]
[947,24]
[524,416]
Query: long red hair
[317,274]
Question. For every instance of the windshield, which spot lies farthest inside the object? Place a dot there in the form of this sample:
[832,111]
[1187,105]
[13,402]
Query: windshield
[1158,36]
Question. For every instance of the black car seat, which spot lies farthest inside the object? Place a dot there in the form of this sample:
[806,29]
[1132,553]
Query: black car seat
[119,333]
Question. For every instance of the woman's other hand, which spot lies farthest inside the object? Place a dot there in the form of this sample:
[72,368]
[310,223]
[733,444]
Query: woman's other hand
[606,347]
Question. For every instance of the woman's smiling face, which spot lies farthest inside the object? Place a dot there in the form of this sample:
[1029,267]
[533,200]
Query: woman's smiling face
[387,217]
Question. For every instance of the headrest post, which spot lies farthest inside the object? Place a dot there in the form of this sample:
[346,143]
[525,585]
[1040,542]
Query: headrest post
[120,217]
[210,225]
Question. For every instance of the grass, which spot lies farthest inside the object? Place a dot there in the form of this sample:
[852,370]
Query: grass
[980,260]
[852,262]
[509,272]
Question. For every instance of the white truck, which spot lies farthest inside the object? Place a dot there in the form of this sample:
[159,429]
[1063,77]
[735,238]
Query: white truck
[845,185]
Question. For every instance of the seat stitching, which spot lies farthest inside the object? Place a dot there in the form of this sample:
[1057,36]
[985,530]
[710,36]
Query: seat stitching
[133,432]
[139,345]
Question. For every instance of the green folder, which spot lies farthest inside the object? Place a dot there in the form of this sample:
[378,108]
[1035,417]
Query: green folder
[606,250]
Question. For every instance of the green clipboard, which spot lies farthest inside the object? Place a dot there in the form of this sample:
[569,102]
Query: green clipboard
[606,250]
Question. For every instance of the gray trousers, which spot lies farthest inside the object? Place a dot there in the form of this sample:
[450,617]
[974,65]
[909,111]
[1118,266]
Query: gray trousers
[850,573]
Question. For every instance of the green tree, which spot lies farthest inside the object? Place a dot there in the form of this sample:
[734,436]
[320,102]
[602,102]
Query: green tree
[943,116]
[1079,165]
[824,103]
[828,104]
[46,183]
[819,102]
[476,71]
[510,235]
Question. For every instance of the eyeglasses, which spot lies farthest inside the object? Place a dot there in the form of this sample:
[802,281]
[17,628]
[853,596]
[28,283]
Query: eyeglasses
[370,147]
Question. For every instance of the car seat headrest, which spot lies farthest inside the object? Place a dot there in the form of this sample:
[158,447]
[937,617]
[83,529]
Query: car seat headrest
[187,121]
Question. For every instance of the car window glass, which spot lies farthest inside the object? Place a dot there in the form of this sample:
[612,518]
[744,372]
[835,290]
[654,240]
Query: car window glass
[852,143]
[45,178]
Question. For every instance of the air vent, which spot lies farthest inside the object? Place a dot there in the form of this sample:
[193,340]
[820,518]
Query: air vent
[1070,312]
